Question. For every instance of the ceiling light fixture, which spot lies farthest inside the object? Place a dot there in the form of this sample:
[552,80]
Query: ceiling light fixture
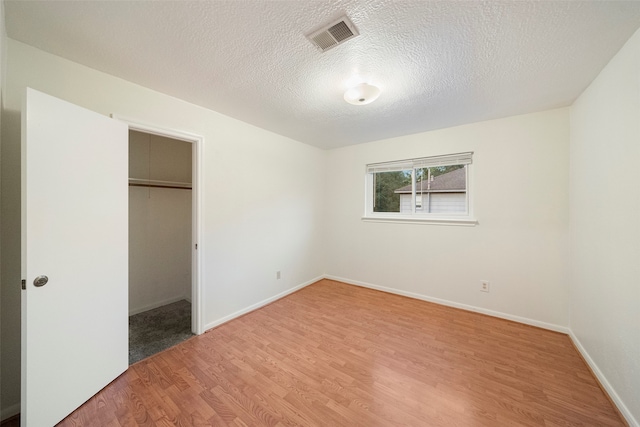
[362,94]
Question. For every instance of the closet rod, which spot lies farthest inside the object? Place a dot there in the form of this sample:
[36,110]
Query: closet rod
[158,186]
[137,182]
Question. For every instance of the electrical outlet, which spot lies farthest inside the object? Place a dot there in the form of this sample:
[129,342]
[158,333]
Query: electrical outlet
[484,286]
[278,274]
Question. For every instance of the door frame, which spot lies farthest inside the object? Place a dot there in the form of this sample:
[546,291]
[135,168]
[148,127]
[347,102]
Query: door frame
[197,173]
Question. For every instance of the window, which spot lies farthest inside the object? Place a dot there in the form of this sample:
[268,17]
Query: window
[434,189]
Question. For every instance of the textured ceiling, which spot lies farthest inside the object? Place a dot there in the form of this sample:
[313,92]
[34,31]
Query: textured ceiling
[439,63]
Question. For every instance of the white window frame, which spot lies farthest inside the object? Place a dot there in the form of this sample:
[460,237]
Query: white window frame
[467,218]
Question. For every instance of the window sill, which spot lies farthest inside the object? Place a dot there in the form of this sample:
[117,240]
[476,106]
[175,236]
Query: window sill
[465,222]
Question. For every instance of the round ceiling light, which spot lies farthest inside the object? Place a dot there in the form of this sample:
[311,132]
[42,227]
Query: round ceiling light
[362,94]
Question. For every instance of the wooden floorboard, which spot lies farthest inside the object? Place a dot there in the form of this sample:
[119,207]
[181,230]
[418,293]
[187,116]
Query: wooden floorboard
[339,355]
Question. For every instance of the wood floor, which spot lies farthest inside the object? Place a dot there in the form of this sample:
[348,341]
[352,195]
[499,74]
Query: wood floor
[339,355]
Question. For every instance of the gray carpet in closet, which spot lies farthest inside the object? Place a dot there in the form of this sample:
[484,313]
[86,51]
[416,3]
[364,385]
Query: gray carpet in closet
[158,329]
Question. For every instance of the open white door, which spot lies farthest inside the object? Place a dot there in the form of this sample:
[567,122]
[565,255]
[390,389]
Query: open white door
[75,232]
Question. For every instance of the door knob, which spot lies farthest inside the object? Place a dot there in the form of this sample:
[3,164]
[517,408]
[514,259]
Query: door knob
[40,281]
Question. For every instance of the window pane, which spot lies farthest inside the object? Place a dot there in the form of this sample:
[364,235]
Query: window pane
[420,188]
[389,189]
[441,170]
[441,189]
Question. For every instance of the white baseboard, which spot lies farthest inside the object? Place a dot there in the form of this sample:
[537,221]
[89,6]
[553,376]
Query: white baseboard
[9,411]
[156,305]
[526,321]
[605,384]
[257,305]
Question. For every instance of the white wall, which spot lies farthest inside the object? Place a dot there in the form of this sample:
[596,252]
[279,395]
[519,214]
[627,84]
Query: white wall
[159,158]
[10,294]
[520,185]
[262,192]
[9,291]
[159,247]
[605,236]
[159,223]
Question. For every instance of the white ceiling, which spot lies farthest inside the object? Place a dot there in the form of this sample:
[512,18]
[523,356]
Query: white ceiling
[439,63]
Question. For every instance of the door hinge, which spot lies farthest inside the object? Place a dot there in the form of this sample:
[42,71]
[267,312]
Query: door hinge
[24,284]
[196,246]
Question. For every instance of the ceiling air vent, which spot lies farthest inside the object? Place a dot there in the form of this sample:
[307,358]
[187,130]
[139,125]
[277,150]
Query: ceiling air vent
[333,34]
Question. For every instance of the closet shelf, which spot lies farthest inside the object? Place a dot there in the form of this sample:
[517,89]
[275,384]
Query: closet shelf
[136,182]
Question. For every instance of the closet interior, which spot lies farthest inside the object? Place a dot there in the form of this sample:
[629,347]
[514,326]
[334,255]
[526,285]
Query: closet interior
[160,242]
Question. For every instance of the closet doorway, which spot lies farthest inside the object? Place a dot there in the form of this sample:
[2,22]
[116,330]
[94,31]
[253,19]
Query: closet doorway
[163,230]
